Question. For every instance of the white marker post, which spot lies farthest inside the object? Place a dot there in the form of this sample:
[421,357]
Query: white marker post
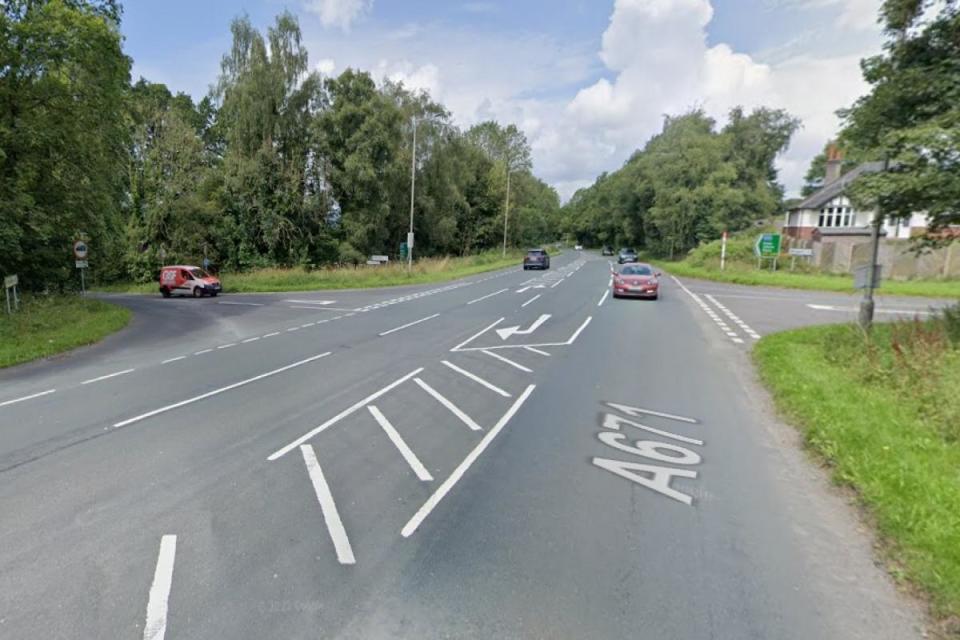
[723,251]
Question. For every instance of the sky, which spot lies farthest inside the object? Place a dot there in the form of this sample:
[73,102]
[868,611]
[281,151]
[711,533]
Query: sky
[588,81]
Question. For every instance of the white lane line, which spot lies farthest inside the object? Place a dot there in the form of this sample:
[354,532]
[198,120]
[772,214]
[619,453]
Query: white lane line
[716,318]
[401,446]
[169,360]
[489,295]
[454,477]
[244,304]
[477,334]
[535,350]
[576,334]
[309,324]
[249,340]
[204,396]
[202,351]
[270,335]
[227,346]
[156,624]
[108,376]
[475,378]
[910,312]
[730,314]
[508,361]
[557,283]
[606,292]
[329,508]
[530,300]
[30,397]
[409,324]
[454,409]
[320,302]
[340,416]
[292,329]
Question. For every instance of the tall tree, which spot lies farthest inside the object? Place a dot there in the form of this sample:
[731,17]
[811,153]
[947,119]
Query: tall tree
[911,117]
[63,78]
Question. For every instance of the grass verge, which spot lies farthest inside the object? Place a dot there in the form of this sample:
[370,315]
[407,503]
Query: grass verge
[49,325]
[884,413]
[737,274]
[275,279]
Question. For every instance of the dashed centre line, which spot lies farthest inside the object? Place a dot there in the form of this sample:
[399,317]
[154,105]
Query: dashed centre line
[108,376]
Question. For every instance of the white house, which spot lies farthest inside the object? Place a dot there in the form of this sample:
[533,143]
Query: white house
[829,212]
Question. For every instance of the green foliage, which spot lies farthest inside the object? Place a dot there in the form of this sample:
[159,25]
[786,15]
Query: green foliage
[62,159]
[884,413]
[688,184]
[949,317]
[911,116]
[276,167]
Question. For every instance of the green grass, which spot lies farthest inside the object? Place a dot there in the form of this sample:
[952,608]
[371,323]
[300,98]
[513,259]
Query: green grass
[49,325]
[276,279]
[885,414]
[740,274]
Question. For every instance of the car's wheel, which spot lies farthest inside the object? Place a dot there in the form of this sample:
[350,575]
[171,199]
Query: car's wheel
[197,292]
[214,294]
[165,292]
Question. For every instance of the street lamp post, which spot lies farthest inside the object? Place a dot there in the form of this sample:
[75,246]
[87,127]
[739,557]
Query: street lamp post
[865,316]
[413,184]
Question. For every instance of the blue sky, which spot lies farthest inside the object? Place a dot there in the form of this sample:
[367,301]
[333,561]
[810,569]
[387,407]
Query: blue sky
[588,81]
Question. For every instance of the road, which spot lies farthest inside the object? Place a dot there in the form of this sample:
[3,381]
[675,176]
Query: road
[512,455]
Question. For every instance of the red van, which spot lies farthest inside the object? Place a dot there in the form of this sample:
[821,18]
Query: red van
[188,281]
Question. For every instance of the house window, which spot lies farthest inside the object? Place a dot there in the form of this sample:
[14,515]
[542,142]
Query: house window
[836,217]
[823,215]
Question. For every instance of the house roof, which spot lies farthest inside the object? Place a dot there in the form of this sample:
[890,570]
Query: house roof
[833,189]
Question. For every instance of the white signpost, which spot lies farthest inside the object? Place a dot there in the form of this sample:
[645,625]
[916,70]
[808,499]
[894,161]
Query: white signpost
[80,251]
[799,252]
[10,286]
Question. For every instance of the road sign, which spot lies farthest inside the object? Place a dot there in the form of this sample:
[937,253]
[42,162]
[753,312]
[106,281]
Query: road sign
[10,286]
[380,258]
[802,253]
[767,245]
[410,240]
[82,264]
[10,281]
[403,250]
[80,250]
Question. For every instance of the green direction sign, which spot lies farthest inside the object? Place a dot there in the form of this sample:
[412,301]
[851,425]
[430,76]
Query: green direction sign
[768,245]
[403,250]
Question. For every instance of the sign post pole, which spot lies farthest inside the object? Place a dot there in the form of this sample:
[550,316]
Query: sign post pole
[723,251]
[80,251]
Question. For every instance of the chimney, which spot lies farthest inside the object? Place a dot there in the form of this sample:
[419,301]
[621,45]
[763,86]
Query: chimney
[834,163]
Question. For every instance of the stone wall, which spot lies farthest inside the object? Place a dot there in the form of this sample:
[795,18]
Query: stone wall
[897,261]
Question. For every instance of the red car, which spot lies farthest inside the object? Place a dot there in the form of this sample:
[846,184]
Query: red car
[636,280]
[188,281]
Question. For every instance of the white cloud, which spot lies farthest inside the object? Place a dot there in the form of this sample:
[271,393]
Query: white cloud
[850,14]
[326,66]
[417,78]
[339,13]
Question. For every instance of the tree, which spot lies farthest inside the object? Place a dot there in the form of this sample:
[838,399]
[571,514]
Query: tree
[911,117]
[61,158]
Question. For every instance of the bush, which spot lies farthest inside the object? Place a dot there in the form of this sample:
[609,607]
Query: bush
[950,318]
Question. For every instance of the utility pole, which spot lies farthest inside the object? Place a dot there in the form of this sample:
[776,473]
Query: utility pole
[413,185]
[506,212]
[865,317]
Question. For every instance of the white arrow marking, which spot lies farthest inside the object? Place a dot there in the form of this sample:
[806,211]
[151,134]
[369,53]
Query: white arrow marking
[511,331]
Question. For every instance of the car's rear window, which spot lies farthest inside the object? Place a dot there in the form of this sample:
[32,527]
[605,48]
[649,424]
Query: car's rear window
[535,252]
[636,270]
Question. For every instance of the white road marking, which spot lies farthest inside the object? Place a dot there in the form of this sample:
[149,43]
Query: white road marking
[245,304]
[328,507]
[270,335]
[169,360]
[209,394]
[475,378]
[606,292]
[906,312]
[292,329]
[227,346]
[156,624]
[576,334]
[633,411]
[30,397]
[108,376]
[409,324]
[489,295]
[202,351]
[716,318]
[507,332]
[477,334]
[320,302]
[508,361]
[730,314]
[309,324]
[535,350]
[454,477]
[530,300]
[249,340]
[401,446]
[454,409]
[340,416]
[557,283]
